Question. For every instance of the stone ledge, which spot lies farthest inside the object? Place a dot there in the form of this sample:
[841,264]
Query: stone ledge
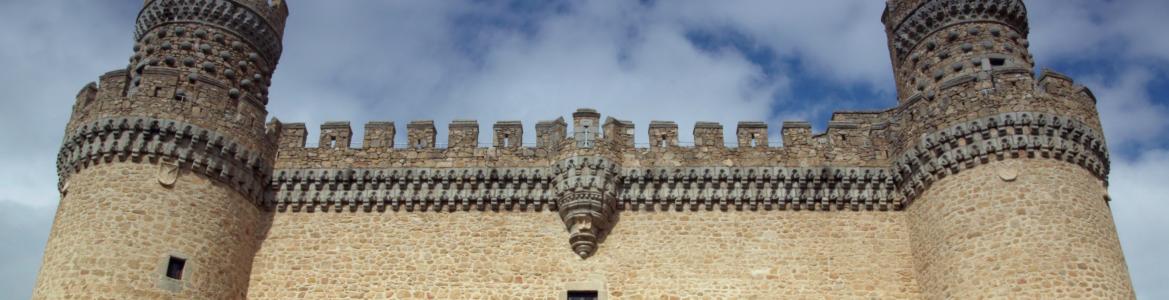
[140,139]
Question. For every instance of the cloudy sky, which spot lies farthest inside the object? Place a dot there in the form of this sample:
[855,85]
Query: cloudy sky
[645,60]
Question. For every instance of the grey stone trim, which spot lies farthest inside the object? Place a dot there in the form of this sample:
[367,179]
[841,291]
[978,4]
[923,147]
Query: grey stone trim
[149,140]
[245,22]
[411,189]
[747,188]
[505,189]
[1002,136]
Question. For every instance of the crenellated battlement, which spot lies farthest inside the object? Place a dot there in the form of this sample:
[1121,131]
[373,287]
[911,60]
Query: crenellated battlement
[845,141]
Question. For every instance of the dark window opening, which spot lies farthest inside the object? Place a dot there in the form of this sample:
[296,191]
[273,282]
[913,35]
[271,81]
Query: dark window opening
[174,268]
[582,295]
[997,62]
[157,91]
[333,142]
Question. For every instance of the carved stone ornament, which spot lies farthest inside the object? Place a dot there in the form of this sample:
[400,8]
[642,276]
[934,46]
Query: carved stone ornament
[168,172]
[586,202]
[1008,174]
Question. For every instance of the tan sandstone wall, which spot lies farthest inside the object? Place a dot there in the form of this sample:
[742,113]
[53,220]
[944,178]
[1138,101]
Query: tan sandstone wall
[117,226]
[1047,234]
[525,255]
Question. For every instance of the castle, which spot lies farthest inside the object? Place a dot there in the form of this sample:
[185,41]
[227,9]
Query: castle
[985,181]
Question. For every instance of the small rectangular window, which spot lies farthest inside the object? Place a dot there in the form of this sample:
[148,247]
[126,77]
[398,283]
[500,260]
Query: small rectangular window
[997,62]
[582,295]
[174,267]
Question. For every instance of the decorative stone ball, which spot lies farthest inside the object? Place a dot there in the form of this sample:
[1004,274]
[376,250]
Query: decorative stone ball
[136,56]
[996,32]
[254,56]
[166,46]
[188,61]
[976,62]
[953,35]
[957,67]
[938,74]
[161,34]
[192,76]
[219,38]
[137,47]
[944,55]
[180,93]
[180,30]
[201,33]
[210,67]
[152,61]
[225,55]
[149,50]
[257,77]
[930,45]
[229,73]
[233,93]
[205,48]
[242,64]
[987,44]
[973,31]
[185,45]
[169,60]
[967,47]
[245,82]
[237,45]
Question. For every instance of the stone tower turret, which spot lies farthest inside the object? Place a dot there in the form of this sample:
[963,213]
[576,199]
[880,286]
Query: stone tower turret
[1004,175]
[163,163]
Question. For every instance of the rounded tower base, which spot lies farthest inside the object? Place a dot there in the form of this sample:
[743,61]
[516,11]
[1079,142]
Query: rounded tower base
[1019,228]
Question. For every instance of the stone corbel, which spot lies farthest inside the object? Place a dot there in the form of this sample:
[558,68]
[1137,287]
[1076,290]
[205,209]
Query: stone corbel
[586,202]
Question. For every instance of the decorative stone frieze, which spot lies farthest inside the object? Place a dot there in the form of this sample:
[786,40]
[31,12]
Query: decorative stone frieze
[1017,135]
[414,189]
[766,188]
[149,140]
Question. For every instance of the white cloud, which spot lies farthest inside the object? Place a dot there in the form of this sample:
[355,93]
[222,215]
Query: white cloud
[1138,205]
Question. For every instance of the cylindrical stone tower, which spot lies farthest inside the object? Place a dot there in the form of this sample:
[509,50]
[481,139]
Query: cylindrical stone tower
[1005,175]
[163,163]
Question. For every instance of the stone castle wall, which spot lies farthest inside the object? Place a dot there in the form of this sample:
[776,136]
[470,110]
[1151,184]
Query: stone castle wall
[522,255]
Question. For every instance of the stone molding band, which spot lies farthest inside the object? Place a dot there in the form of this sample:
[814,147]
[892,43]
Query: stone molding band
[505,189]
[934,15]
[225,14]
[186,146]
[414,189]
[935,155]
[1001,136]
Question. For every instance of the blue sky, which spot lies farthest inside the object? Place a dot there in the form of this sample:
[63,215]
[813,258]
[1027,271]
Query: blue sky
[684,61]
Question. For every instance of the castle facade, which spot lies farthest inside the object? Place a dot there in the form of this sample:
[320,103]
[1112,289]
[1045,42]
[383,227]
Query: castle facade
[985,181]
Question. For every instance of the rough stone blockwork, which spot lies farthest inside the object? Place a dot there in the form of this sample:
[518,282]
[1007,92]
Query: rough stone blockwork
[985,181]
